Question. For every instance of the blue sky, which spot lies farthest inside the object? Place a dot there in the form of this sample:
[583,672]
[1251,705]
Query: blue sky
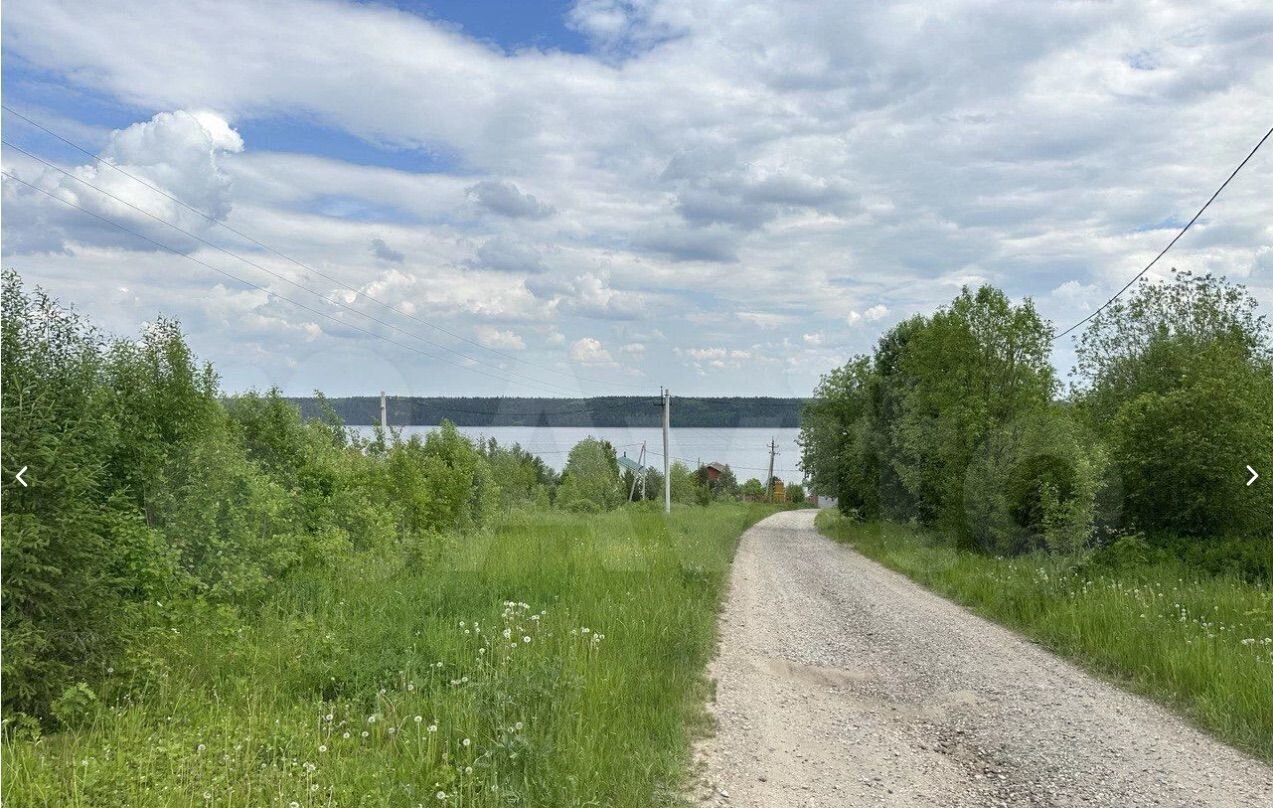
[613,195]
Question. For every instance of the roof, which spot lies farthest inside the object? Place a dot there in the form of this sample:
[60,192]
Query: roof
[721,467]
[629,464]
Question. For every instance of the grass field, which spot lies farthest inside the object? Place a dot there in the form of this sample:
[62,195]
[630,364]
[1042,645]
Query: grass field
[1200,644]
[555,661]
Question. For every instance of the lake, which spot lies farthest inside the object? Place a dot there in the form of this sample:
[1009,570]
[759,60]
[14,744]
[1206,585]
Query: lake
[746,451]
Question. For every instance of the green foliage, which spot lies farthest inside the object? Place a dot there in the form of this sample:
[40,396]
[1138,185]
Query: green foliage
[147,489]
[1035,485]
[894,434]
[685,489]
[753,489]
[795,493]
[1180,385]
[590,482]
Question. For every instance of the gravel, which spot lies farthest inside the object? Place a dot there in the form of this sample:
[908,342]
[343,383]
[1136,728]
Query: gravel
[842,683]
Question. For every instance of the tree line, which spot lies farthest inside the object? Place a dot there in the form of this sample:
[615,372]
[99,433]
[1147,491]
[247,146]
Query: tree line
[958,421]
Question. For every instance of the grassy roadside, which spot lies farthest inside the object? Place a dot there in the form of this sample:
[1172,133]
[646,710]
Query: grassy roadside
[556,660]
[1199,644]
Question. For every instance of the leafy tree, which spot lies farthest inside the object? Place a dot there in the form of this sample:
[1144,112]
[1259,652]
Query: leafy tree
[1179,382]
[684,488]
[975,364]
[591,477]
[795,493]
[753,489]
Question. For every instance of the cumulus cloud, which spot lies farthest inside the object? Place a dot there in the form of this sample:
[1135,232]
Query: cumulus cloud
[177,153]
[590,351]
[506,199]
[875,313]
[496,338]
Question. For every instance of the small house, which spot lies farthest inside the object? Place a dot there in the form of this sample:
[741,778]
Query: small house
[715,470]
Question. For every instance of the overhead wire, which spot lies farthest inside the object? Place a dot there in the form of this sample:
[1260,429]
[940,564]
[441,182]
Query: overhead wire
[1172,243]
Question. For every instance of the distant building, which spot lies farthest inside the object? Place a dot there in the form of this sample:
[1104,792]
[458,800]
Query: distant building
[628,464]
[715,470]
[778,491]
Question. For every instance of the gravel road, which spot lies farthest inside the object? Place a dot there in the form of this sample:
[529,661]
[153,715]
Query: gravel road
[841,683]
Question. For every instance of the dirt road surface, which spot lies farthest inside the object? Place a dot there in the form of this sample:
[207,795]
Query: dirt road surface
[841,683]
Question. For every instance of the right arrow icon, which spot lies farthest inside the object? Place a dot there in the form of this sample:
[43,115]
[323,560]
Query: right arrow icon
[1255,475]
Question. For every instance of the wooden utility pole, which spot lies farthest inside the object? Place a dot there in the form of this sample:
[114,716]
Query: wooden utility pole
[769,481]
[639,475]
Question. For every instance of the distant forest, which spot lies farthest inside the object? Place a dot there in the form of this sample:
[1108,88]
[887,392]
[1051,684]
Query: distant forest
[618,411]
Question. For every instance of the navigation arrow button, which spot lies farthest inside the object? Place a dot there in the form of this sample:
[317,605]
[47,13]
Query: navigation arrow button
[18,477]
[1255,475]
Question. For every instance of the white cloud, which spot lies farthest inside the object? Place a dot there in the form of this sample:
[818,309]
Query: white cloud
[496,338]
[813,339]
[177,153]
[706,173]
[589,351]
[633,348]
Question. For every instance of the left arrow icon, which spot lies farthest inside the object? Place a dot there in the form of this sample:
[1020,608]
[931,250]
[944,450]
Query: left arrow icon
[18,477]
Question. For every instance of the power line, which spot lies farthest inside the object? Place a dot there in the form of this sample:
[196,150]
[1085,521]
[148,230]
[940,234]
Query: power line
[246,282]
[284,278]
[1172,243]
[262,245]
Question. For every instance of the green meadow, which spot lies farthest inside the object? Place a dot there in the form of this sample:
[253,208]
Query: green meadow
[555,659]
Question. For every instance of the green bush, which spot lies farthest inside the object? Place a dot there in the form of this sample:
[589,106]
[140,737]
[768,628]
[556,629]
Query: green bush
[590,481]
[1035,486]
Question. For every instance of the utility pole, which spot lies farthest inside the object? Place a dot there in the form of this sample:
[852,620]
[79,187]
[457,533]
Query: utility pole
[384,412]
[667,461]
[641,475]
[769,481]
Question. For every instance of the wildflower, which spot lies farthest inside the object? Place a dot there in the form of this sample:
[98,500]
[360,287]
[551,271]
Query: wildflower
[410,686]
[518,726]
[322,747]
[468,769]
[466,742]
[207,795]
[441,795]
[371,719]
[433,728]
[328,718]
[200,748]
[295,804]
[346,735]
[526,639]
[365,733]
[419,718]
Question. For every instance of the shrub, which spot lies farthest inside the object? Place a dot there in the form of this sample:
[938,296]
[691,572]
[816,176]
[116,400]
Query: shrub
[1035,486]
[591,476]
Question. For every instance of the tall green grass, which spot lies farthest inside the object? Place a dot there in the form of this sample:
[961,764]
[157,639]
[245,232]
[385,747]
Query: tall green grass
[1201,644]
[554,661]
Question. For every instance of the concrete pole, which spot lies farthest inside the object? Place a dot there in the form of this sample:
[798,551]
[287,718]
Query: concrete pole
[384,412]
[667,460]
